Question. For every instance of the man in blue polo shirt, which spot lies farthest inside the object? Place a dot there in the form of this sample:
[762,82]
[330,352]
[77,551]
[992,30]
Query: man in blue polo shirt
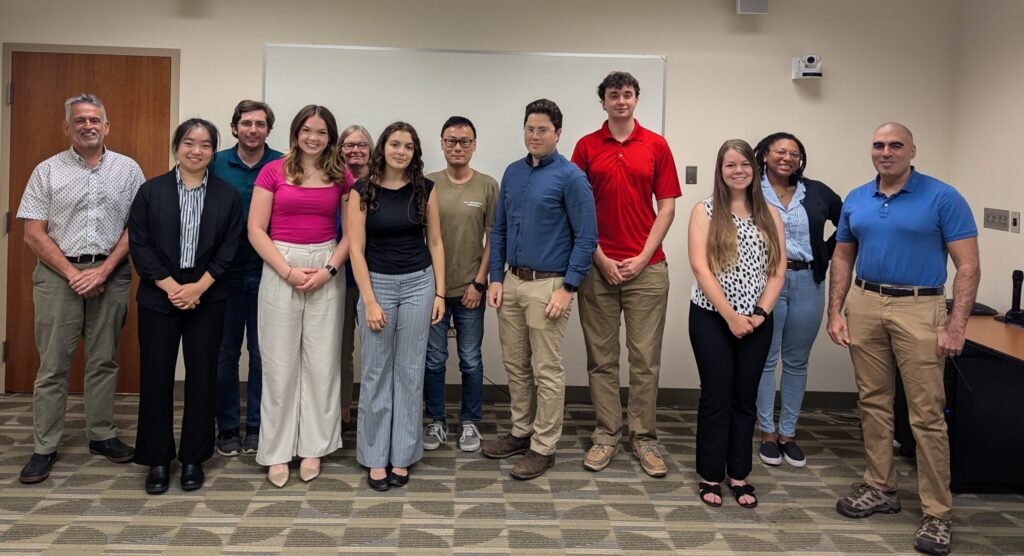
[898,229]
[545,229]
[251,123]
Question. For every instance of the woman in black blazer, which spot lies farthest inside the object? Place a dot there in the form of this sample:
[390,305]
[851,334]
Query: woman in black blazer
[183,230]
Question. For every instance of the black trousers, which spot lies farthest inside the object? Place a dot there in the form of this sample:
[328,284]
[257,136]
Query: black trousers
[199,333]
[730,370]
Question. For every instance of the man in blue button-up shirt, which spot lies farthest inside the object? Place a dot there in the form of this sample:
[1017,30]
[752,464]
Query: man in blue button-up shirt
[545,232]
[899,229]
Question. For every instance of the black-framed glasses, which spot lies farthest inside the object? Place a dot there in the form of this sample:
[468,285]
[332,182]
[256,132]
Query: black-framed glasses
[465,142]
[354,146]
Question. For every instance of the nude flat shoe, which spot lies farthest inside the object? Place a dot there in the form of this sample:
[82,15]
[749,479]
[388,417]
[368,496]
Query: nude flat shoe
[278,479]
[307,474]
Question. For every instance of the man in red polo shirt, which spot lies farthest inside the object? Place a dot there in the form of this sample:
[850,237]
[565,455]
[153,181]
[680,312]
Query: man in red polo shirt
[627,165]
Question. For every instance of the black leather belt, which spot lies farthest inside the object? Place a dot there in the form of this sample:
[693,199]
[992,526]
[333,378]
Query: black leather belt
[897,291]
[530,274]
[85,259]
[798,265]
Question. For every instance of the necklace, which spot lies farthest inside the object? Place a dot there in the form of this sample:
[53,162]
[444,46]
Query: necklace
[785,192]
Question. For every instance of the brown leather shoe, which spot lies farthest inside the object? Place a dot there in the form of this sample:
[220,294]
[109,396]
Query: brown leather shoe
[532,465]
[508,445]
[650,459]
[599,456]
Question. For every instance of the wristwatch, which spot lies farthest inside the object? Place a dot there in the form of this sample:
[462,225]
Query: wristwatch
[331,269]
[569,288]
[759,311]
[478,286]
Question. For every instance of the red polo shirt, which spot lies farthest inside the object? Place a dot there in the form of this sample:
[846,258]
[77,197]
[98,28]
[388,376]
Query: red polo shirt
[624,176]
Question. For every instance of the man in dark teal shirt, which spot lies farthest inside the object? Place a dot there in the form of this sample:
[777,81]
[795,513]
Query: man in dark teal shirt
[545,230]
[251,123]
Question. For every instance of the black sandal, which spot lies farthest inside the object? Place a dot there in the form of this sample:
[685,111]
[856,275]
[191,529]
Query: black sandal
[744,490]
[708,488]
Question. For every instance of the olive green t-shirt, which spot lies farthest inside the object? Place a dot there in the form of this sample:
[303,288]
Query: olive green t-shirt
[467,210]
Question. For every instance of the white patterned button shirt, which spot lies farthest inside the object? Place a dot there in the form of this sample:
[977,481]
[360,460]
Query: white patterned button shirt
[85,209]
[190,202]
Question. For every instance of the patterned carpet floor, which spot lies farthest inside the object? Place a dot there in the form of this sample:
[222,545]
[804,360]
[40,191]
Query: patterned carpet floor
[462,503]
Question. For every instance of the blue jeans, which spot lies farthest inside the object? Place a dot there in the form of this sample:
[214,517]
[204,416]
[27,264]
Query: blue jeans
[470,326]
[239,316]
[797,320]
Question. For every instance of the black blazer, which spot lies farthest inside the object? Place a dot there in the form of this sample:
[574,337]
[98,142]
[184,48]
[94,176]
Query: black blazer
[821,204]
[154,235]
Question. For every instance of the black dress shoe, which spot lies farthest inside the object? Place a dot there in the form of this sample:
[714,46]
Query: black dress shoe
[158,479]
[38,468]
[113,449]
[397,480]
[192,476]
[379,485]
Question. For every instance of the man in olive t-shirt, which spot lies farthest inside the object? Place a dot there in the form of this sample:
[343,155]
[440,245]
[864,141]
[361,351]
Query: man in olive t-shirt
[466,199]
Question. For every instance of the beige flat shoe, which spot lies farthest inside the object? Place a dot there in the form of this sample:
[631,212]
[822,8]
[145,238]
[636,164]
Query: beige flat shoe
[307,474]
[279,478]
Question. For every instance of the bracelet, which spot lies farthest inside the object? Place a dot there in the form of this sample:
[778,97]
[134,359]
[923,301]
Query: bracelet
[439,295]
[289,275]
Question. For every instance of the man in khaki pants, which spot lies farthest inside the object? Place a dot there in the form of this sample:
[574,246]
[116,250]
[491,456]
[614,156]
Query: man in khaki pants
[75,208]
[627,166]
[545,230]
[898,229]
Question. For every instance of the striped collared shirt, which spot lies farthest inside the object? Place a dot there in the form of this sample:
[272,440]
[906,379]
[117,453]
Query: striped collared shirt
[85,209]
[190,201]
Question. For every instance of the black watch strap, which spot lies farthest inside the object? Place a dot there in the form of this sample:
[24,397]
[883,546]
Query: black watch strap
[569,288]
[331,269]
[759,311]
[478,286]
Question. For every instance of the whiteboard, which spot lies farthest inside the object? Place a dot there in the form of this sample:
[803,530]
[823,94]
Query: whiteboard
[375,86]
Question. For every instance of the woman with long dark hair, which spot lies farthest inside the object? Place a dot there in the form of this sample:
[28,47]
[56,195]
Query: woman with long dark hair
[297,199]
[398,262]
[735,253]
[804,205]
[183,231]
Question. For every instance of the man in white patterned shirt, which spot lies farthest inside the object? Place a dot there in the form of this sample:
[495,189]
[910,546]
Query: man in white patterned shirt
[75,208]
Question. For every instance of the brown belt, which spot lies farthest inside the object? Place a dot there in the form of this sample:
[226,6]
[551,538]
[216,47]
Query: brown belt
[797,265]
[897,291]
[530,274]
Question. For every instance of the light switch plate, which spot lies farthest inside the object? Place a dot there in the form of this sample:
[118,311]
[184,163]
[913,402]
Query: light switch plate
[691,175]
[1015,222]
[997,219]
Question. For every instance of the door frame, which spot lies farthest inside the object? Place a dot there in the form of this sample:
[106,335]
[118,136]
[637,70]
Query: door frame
[5,137]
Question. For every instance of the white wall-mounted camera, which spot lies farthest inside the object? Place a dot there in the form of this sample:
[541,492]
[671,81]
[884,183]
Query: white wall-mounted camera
[807,66]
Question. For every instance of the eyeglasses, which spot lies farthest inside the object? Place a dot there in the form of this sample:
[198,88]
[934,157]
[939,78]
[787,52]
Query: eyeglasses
[248,123]
[538,131]
[465,142]
[354,146]
[783,153]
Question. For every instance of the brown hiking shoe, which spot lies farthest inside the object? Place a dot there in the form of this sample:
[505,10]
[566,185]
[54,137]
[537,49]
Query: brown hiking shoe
[650,459]
[532,465]
[508,445]
[934,535]
[599,456]
[865,500]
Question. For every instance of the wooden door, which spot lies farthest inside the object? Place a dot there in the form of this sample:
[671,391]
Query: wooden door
[137,93]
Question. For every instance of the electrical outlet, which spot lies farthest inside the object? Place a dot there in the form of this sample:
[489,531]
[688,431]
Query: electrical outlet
[1015,222]
[998,219]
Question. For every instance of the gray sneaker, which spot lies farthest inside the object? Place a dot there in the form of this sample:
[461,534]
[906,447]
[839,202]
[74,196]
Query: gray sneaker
[228,443]
[934,536]
[865,500]
[469,440]
[251,443]
[434,435]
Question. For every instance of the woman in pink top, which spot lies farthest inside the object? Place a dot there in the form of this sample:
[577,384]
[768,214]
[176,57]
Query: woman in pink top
[297,199]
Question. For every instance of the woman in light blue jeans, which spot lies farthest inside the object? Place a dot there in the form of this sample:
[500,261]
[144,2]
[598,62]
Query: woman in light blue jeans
[804,205]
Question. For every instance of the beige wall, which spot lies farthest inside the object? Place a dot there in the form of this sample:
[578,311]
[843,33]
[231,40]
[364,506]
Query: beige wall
[728,76]
[988,139]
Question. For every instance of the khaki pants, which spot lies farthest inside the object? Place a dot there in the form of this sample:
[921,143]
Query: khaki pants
[531,349]
[61,317]
[643,300]
[887,333]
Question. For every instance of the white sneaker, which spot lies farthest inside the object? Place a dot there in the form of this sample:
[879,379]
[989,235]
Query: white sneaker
[469,440]
[434,435]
